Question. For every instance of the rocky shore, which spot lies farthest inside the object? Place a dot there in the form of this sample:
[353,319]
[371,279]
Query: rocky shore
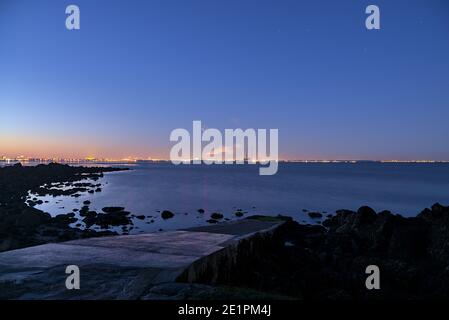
[22,188]
[300,261]
[21,225]
[328,261]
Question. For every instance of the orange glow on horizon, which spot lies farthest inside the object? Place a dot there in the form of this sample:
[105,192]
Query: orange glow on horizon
[58,148]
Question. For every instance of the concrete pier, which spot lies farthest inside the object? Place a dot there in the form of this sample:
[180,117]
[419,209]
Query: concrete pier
[117,267]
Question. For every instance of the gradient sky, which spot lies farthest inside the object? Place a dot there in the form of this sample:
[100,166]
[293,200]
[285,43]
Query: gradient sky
[138,69]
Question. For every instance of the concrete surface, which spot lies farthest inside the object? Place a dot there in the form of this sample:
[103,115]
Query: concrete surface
[117,267]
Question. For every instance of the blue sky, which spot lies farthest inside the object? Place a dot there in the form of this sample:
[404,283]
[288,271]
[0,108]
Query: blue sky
[138,69]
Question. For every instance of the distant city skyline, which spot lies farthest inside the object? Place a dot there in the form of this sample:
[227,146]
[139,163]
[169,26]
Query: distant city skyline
[22,158]
[136,70]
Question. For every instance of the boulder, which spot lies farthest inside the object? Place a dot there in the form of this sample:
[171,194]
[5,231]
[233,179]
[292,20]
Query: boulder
[216,216]
[167,214]
[315,215]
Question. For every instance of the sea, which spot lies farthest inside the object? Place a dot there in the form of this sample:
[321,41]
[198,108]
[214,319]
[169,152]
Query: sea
[297,188]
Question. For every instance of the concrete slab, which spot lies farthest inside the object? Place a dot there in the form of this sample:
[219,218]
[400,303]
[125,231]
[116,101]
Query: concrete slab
[119,267]
[237,228]
[168,242]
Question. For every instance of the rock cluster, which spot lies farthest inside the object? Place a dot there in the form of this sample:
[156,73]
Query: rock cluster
[329,261]
[22,225]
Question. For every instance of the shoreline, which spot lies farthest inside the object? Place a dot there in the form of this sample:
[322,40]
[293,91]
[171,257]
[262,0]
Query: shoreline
[31,185]
[329,262]
[300,261]
[21,225]
[284,261]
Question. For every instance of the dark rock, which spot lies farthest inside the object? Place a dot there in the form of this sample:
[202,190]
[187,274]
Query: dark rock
[63,220]
[201,210]
[112,209]
[216,216]
[84,210]
[437,219]
[329,263]
[106,220]
[167,214]
[315,215]
[22,225]
[366,214]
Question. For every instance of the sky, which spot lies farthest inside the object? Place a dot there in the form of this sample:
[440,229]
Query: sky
[136,70]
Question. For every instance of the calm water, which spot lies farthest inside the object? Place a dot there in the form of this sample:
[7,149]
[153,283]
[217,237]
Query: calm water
[402,188]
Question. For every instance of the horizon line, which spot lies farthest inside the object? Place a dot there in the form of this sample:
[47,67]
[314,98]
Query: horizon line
[149,159]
